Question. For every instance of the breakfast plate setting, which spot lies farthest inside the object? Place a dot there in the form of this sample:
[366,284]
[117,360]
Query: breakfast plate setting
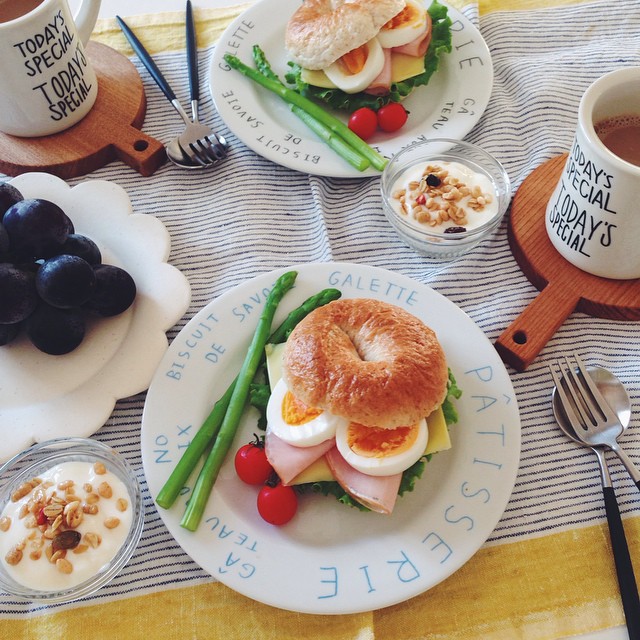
[513,528]
[330,558]
[448,107]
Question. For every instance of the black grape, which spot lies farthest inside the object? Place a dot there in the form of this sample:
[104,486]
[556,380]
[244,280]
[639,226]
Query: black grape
[65,281]
[55,331]
[114,292]
[83,247]
[8,332]
[18,294]
[9,195]
[37,228]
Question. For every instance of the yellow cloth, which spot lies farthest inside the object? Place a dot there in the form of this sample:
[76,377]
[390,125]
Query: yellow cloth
[165,31]
[485,599]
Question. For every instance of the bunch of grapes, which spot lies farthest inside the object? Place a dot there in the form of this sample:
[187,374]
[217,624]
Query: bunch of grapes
[52,277]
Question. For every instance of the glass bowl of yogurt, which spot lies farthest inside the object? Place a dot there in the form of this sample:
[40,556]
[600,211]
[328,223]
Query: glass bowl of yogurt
[71,516]
[444,196]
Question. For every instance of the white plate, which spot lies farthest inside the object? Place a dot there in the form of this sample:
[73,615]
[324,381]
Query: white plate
[44,396]
[448,107]
[330,558]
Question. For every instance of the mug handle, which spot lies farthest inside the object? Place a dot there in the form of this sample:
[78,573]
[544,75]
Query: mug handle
[85,19]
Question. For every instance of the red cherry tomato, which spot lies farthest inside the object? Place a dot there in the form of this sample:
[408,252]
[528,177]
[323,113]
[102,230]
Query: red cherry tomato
[278,504]
[251,463]
[363,122]
[392,117]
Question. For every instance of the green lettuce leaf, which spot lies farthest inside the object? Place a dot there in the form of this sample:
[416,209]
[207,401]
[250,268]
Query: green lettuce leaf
[440,44]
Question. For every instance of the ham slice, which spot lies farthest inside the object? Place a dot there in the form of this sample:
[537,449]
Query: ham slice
[418,46]
[378,493]
[289,461]
[382,83]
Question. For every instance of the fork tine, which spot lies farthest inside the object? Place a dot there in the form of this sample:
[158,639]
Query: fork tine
[198,155]
[567,403]
[216,148]
[208,149]
[579,395]
[599,401]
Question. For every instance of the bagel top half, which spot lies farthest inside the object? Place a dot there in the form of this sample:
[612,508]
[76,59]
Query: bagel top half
[368,361]
[321,31]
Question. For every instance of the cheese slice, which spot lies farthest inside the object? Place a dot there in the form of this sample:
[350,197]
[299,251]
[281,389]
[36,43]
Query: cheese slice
[319,471]
[402,67]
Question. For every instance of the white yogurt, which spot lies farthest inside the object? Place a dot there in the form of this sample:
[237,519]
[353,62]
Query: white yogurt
[464,198]
[110,525]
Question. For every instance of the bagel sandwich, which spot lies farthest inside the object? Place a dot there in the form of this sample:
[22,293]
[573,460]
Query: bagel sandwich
[361,398]
[365,53]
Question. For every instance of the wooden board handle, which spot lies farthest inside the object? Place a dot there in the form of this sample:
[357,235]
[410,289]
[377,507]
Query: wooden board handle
[140,151]
[526,336]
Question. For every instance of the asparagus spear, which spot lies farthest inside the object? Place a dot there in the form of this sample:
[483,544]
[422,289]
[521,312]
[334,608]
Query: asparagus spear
[332,123]
[353,157]
[229,426]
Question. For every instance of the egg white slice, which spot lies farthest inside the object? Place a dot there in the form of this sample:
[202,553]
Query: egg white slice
[306,433]
[408,25]
[411,447]
[355,82]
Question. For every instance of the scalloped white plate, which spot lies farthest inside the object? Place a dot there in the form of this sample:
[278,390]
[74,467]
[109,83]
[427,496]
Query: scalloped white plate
[331,559]
[44,396]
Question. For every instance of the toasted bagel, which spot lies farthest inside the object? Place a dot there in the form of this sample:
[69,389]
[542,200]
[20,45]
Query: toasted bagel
[321,31]
[368,361]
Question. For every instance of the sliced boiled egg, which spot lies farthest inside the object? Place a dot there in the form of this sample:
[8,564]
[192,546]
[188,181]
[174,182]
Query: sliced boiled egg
[405,27]
[296,423]
[382,452]
[357,69]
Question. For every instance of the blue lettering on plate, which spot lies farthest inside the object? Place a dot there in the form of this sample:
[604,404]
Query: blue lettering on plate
[452,519]
[253,304]
[243,569]
[331,580]
[365,570]
[406,570]
[162,450]
[367,284]
[467,492]
[438,544]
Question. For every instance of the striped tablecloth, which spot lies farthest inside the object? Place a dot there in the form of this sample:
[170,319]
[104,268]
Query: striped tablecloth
[546,571]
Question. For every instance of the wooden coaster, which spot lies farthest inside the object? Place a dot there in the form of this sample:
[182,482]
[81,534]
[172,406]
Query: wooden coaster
[108,132]
[563,287]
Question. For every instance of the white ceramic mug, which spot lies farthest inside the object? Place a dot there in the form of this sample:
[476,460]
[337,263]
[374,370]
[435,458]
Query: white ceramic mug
[593,216]
[46,81]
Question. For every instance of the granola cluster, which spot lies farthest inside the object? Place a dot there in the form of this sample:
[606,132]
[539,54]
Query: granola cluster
[441,199]
[53,514]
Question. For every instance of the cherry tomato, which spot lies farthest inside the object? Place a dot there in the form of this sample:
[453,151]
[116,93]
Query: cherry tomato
[392,117]
[251,463]
[363,122]
[277,504]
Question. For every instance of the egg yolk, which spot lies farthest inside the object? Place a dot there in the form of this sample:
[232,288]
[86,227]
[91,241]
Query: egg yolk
[375,442]
[295,412]
[353,61]
[406,16]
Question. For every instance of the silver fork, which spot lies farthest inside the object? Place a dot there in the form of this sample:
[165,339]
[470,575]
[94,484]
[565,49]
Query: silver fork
[198,142]
[593,420]
[588,413]
[211,144]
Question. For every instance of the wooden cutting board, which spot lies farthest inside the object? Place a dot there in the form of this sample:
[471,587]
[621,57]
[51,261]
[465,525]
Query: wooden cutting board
[111,130]
[563,287]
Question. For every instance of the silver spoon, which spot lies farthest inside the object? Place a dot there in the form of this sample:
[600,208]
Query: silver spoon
[614,393]
[174,150]
[616,396]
